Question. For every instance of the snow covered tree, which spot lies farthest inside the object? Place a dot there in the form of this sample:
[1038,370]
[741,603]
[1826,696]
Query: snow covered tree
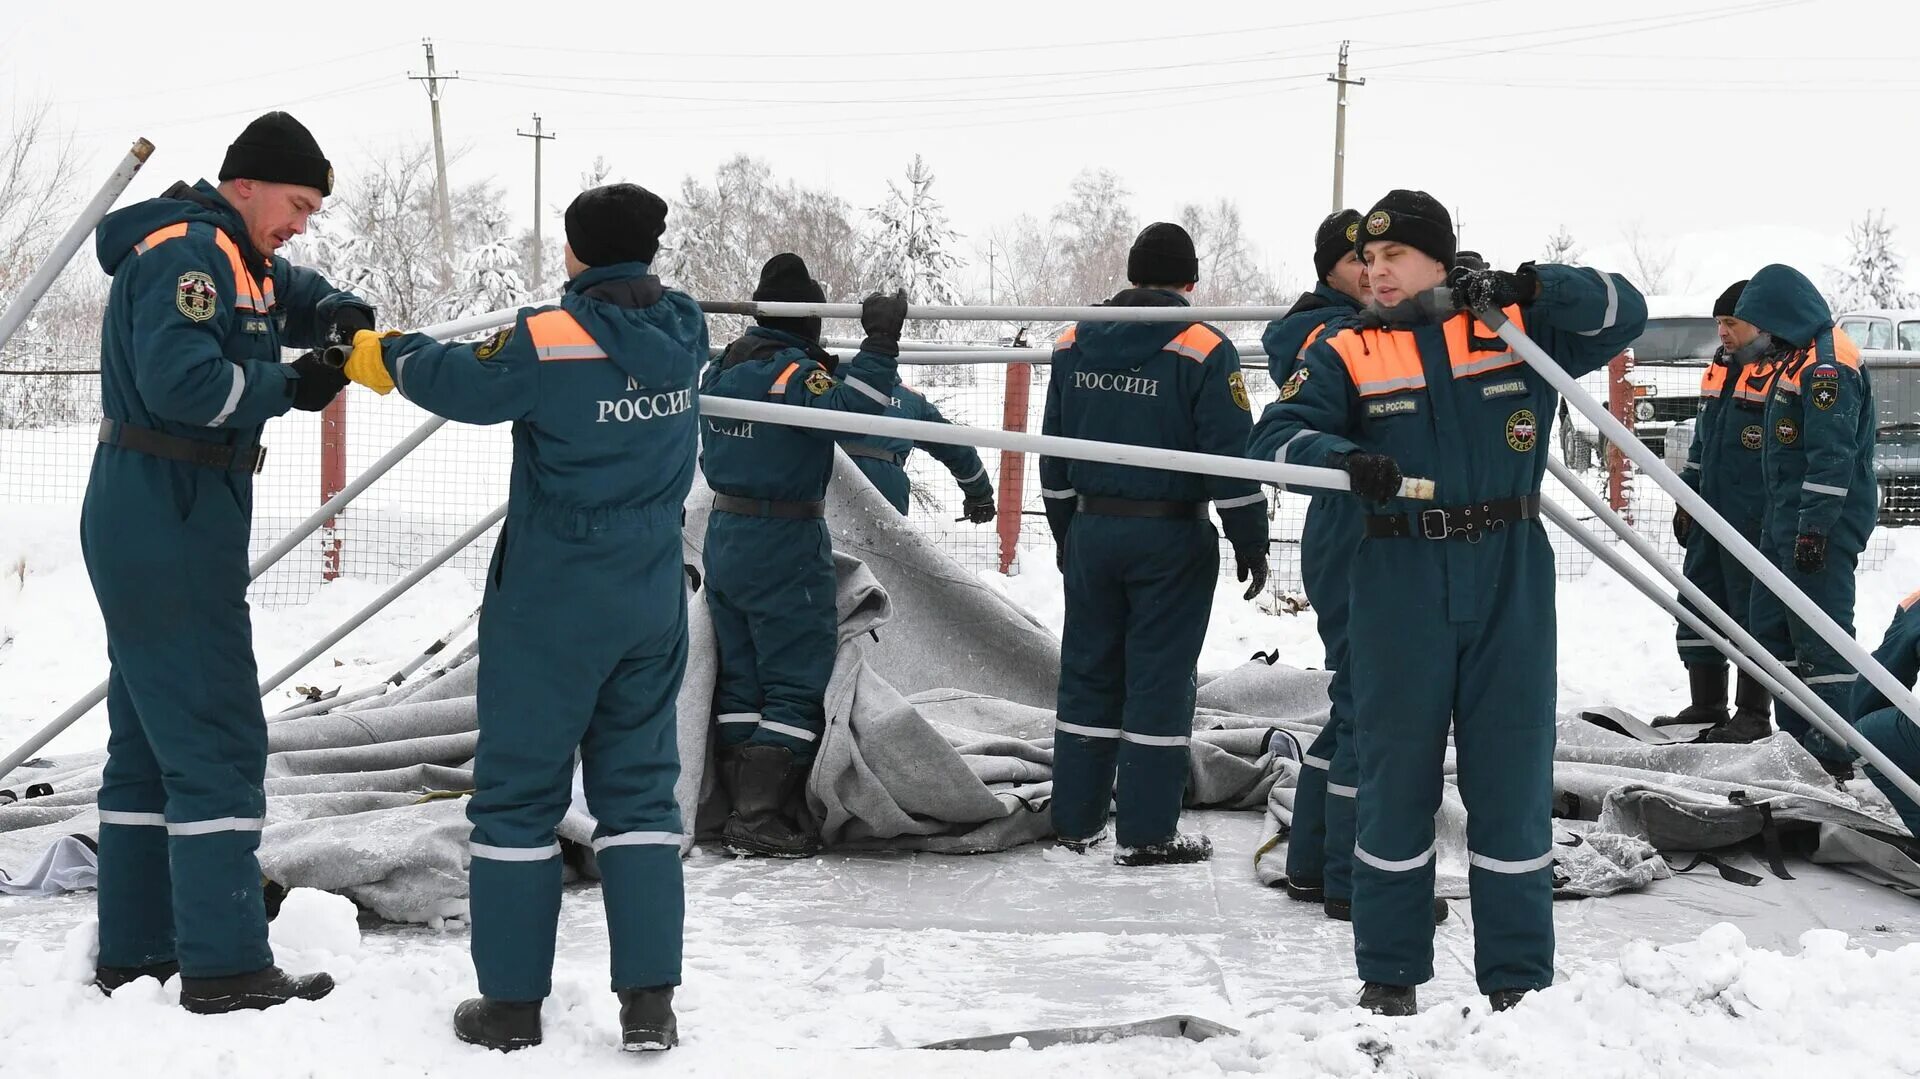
[1562,249]
[1094,229]
[598,174]
[910,246]
[1652,260]
[1873,273]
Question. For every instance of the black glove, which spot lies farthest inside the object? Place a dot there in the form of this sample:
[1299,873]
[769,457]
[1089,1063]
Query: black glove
[693,575]
[979,508]
[1252,562]
[348,319]
[882,317]
[1682,525]
[1810,553]
[1376,477]
[319,382]
[1060,557]
[1479,289]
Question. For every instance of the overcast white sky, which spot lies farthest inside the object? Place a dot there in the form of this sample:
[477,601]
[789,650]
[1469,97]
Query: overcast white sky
[1743,132]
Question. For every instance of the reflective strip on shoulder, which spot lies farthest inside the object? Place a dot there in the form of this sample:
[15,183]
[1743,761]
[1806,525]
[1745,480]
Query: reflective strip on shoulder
[1065,340]
[859,386]
[1170,741]
[789,730]
[1713,379]
[1085,731]
[1380,361]
[159,236]
[216,826]
[637,839]
[1196,342]
[1463,330]
[514,854]
[235,390]
[1243,500]
[246,287]
[1386,865]
[1501,865]
[780,384]
[145,820]
[557,336]
[1312,336]
[1844,350]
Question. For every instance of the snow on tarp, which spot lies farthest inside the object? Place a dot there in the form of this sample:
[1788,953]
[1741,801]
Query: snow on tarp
[939,739]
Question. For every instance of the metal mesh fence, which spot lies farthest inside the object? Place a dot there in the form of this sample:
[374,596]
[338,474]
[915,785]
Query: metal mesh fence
[462,472]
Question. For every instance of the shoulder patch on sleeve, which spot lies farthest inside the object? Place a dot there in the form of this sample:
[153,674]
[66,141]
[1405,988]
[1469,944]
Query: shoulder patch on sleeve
[818,381]
[1237,385]
[194,294]
[488,349]
[1291,388]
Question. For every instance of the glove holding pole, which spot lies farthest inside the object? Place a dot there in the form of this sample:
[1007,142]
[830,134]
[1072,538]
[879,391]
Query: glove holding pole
[883,317]
[1376,477]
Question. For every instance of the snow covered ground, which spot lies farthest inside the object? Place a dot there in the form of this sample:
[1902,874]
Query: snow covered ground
[839,965]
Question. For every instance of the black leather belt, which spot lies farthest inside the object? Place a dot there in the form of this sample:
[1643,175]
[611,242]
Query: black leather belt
[769,507]
[153,443]
[856,450]
[1464,522]
[1101,506]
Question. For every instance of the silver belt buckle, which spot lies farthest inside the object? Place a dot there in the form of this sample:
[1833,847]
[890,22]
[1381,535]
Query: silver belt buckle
[1433,524]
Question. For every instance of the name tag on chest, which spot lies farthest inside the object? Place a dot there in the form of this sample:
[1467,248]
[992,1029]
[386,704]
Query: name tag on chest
[1395,406]
[1510,387]
[254,325]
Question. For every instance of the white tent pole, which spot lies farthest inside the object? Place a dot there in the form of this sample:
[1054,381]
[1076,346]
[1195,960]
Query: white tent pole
[70,241]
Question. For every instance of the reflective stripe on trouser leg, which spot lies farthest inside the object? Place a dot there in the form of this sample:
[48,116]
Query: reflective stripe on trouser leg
[1342,789]
[1327,542]
[1702,566]
[736,693]
[1829,676]
[135,899]
[779,575]
[1896,736]
[1503,746]
[1307,842]
[1399,624]
[1086,742]
[1168,570]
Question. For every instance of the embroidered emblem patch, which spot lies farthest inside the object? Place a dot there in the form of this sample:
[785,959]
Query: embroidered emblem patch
[1353,232]
[488,349]
[1826,393]
[1522,431]
[1378,222]
[1786,431]
[819,382]
[1751,436]
[195,296]
[1237,385]
[1293,384]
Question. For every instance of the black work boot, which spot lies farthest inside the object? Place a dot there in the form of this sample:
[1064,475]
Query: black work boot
[107,979]
[1749,722]
[250,992]
[1341,910]
[505,1025]
[1082,846]
[1184,848]
[647,1024]
[1305,893]
[1707,684]
[1503,999]
[768,782]
[1383,999]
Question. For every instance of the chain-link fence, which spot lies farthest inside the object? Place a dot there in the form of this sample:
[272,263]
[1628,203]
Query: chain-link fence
[462,472]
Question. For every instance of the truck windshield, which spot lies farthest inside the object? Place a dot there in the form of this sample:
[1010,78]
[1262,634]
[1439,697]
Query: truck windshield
[1669,340]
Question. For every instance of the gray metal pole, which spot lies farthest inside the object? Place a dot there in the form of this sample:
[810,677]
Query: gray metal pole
[1705,516]
[783,309]
[399,588]
[70,241]
[1823,716]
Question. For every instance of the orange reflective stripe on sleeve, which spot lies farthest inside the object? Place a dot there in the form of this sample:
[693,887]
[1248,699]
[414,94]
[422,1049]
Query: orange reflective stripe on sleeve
[1065,340]
[1844,350]
[780,384]
[1312,336]
[558,336]
[159,236]
[1380,361]
[1463,330]
[1907,604]
[1196,342]
[247,294]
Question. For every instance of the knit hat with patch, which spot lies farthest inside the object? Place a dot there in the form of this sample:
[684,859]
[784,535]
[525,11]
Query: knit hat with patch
[1333,239]
[1162,255]
[278,149]
[616,223]
[1414,218]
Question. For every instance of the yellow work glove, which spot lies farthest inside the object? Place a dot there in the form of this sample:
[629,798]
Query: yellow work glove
[367,365]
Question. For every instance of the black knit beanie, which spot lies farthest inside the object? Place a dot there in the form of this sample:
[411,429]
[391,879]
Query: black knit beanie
[1469,260]
[278,149]
[1162,255]
[785,277]
[1723,307]
[1333,239]
[616,223]
[1414,218]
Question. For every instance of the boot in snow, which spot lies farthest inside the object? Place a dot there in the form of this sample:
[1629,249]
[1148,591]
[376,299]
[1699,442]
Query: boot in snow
[1383,999]
[767,785]
[1184,848]
[647,1024]
[1305,893]
[107,979]
[1707,684]
[1081,846]
[505,1025]
[1504,999]
[1341,910]
[250,992]
[1749,722]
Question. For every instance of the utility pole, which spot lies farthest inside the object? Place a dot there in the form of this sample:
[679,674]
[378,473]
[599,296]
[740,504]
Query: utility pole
[537,138]
[444,206]
[1340,129]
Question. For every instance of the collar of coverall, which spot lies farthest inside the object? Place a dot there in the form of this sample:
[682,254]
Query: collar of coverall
[1428,308]
[1142,296]
[206,195]
[1763,344]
